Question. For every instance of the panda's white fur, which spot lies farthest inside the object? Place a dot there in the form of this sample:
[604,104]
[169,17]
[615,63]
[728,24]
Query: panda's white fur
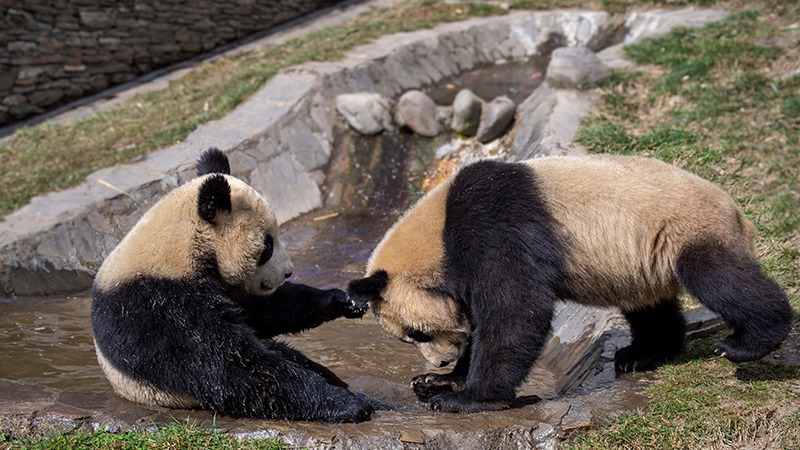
[627,219]
[471,271]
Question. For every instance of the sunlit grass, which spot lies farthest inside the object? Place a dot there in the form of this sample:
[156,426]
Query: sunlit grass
[717,111]
[177,435]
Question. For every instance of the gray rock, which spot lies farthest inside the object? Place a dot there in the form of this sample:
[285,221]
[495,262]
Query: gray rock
[614,58]
[444,114]
[467,109]
[497,117]
[366,112]
[576,67]
[417,111]
[287,186]
[549,122]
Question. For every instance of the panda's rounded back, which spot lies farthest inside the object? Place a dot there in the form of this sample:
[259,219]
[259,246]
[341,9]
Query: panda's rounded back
[626,219]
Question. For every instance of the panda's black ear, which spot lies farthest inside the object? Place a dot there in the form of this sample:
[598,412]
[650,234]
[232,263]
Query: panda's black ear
[214,195]
[368,289]
[213,161]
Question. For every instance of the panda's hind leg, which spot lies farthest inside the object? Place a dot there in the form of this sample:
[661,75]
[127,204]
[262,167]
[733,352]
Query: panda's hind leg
[658,334]
[733,285]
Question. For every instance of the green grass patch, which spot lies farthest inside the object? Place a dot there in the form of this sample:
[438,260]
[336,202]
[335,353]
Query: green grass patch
[721,107]
[173,436]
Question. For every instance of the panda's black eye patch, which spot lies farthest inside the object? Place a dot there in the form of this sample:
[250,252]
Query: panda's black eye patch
[266,254]
[419,336]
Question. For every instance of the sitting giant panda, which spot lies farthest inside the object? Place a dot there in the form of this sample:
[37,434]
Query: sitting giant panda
[184,308]
[471,273]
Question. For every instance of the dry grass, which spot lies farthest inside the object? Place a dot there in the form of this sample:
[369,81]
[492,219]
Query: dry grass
[48,157]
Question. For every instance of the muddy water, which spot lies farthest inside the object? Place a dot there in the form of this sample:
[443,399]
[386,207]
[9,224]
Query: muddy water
[514,79]
[47,358]
[328,253]
[47,353]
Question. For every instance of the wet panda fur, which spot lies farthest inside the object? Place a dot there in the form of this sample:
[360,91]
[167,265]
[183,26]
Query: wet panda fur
[184,309]
[471,273]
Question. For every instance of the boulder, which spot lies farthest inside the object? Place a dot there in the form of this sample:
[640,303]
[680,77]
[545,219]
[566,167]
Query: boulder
[467,108]
[498,115]
[366,112]
[418,112]
[576,67]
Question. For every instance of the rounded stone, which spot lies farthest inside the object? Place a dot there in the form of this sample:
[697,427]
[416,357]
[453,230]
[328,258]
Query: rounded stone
[497,117]
[467,108]
[576,67]
[366,112]
[416,111]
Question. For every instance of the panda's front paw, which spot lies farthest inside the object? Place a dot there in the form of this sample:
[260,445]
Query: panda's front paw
[344,306]
[427,385]
[354,310]
[459,402]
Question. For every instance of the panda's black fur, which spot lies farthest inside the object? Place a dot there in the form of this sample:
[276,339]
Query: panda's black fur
[192,339]
[509,239]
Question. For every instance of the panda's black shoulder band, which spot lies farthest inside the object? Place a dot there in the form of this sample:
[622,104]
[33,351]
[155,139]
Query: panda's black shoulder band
[213,161]
[214,195]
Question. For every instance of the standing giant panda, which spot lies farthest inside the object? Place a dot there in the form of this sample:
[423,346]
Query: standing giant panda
[183,309]
[471,273]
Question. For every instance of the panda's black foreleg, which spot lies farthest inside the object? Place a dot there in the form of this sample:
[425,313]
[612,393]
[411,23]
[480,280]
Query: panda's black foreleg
[511,325]
[735,287]
[293,308]
[658,334]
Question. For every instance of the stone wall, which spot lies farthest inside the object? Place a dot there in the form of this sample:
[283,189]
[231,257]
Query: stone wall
[52,52]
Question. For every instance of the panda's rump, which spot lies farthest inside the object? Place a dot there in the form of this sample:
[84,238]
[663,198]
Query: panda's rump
[142,392]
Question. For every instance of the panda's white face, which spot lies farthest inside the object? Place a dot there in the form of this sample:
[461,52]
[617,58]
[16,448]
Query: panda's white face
[440,348]
[435,323]
[249,252]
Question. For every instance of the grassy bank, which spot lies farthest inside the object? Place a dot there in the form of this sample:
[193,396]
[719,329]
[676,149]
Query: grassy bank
[722,101]
[51,156]
[174,436]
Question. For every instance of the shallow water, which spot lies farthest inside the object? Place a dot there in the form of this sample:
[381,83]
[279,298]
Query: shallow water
[47,353]
[514,79]
[47,358]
